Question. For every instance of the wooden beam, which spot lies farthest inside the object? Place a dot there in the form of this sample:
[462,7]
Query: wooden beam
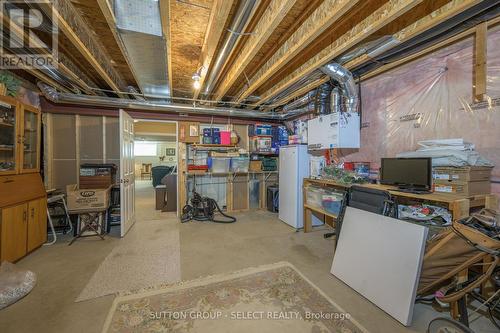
[372,23]
[68,31]
[215,29]
[321,19]
[419,54]
[165,24]
[108,14]
[60,66]
[271,18]
[445,12]
[378,19]
[479,69]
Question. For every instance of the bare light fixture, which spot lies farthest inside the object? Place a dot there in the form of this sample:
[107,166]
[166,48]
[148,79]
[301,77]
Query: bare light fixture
[196,80]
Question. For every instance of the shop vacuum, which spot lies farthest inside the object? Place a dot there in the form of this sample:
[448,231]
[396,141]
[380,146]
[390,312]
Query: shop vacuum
[203,209]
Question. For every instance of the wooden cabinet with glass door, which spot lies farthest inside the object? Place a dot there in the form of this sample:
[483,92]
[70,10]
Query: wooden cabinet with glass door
[19,137]
[30,139]
[9,135]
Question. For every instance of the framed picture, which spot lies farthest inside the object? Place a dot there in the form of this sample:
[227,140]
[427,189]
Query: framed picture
[170,152]
[193,130]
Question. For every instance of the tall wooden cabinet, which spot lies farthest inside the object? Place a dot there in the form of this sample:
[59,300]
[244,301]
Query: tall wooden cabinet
[23,200]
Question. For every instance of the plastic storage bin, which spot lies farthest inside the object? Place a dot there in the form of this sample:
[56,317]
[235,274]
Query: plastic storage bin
[332,202]
[219,164]
[239,164]
[314,196]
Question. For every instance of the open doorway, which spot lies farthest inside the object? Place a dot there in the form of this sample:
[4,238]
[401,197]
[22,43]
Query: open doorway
[155,153]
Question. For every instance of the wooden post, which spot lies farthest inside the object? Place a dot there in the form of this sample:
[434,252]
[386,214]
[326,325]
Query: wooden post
[479,74]
[460,209]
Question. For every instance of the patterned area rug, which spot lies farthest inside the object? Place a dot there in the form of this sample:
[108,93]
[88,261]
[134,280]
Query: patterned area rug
[271,298]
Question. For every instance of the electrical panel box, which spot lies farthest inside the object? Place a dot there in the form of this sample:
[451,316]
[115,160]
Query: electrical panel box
[334,130]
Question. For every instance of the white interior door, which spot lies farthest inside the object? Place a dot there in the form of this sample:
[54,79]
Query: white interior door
[127,176]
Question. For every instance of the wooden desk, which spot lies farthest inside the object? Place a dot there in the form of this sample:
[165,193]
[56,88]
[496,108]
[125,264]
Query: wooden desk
[458,205]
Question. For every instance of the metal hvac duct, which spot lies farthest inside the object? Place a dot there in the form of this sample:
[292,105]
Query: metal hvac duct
[139,27]
[122,103]
[299,102]
[240,20]
[346,84]
[323,98]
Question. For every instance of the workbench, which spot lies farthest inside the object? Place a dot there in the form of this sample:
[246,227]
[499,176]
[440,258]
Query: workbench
[458,205]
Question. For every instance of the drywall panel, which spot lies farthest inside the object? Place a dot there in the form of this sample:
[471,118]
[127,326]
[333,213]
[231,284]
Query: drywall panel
[381,257]
[91,138]
[112,139]
[64,137]
[64,173]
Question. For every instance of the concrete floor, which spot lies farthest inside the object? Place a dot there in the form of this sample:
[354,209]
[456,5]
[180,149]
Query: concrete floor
[206,248]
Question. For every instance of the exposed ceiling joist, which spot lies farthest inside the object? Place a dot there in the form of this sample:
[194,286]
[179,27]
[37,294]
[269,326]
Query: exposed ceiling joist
[271,18]
[465,34]
[378,19]
[62,63]
[93,53]
[441,14]
[320,20]
[108,14]
[165,25]
[215,30]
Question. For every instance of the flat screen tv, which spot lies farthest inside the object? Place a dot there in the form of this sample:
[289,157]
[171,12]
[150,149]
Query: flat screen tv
[407,172]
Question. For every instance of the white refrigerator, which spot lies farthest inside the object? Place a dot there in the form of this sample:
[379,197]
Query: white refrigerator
[293,168]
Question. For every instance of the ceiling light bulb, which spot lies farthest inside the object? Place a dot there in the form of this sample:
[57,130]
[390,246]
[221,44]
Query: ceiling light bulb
[196,84]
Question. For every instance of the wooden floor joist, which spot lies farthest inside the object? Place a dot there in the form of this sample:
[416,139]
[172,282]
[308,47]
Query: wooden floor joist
[108,14]
[445,12]
[165,25]
[320,20]
[382,16]
[273,15]
[218,17]
[105,70]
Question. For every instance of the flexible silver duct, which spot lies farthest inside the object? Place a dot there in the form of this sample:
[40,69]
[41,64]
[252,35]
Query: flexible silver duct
[335,100]
[346,84]
[240,20]
[122,103]
[135,93]
[323,98]
[307,98]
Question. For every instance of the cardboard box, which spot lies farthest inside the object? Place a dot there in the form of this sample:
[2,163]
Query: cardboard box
[81,199]
[256,166]
[462,174]
[462,188]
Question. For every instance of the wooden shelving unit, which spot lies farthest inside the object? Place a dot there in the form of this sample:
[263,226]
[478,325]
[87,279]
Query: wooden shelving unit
[238,184]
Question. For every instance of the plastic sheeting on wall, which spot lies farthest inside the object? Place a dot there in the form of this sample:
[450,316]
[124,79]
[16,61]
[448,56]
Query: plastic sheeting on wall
[431,98]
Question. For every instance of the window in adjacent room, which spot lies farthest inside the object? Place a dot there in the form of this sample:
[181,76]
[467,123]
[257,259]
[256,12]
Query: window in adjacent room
[145,149]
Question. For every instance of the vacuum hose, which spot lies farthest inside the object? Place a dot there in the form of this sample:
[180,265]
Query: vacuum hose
[203,209]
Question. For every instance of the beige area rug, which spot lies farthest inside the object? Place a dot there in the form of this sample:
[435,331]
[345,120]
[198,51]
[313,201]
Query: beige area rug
[148,255]
[272,298]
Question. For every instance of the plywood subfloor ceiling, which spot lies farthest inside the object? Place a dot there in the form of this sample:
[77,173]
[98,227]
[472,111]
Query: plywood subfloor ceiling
[284,42]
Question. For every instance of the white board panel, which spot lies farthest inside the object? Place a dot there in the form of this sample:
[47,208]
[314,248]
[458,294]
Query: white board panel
[381,257]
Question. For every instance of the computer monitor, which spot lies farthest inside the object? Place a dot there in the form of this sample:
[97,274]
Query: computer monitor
[407,172]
